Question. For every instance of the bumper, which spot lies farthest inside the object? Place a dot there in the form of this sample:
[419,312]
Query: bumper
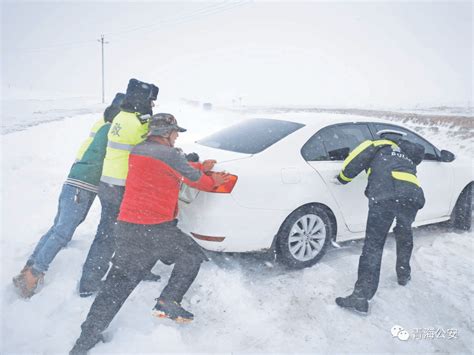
[218,215]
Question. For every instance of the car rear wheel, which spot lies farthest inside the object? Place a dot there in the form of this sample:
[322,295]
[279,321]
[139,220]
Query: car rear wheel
[461,217]
[304,237]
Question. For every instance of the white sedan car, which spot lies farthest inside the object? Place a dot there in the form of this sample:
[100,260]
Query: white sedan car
[282,194]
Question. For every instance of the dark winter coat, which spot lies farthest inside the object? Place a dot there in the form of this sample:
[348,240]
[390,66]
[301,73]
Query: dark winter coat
[391,166]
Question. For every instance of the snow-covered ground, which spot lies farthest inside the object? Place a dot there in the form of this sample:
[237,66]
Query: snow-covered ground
[242,303]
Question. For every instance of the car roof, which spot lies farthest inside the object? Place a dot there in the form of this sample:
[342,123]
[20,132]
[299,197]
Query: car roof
[323,119]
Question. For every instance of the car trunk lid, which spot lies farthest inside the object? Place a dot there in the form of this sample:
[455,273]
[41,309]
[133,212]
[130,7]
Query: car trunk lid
[219,155]
[188,194]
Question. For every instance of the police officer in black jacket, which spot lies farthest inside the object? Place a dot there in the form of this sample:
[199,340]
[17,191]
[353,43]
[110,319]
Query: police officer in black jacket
[394,192]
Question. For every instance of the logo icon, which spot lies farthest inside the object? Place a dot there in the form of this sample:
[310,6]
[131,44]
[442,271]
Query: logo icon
[403,335]
[399,332]
[115,129]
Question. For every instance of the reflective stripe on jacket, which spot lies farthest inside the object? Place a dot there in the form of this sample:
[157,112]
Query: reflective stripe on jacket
[88,141]
[391,166]
[126,132]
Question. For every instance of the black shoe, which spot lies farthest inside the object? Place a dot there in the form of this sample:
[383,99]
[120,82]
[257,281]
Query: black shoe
[151,277]
[359,304]
[402,281]
[172,310]
[84,344]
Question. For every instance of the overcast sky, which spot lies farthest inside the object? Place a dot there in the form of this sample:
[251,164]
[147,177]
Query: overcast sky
[374,54]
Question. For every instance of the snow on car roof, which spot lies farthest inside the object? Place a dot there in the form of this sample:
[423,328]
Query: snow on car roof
[322,119]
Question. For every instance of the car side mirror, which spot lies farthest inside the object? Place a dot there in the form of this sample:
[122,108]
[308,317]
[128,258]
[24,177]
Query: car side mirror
[447,156]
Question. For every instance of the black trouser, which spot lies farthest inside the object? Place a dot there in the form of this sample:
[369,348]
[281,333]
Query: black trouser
[380,218]
[103,246]
[139,247]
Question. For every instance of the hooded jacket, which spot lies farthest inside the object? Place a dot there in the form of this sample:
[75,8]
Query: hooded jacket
[391,166]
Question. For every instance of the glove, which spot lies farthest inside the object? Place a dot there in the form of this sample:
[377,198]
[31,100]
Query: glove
[192,157]
[207,165]
[220,178]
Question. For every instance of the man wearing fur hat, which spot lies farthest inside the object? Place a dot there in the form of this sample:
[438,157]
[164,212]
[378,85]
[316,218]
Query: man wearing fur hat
[129,128]
[147,230]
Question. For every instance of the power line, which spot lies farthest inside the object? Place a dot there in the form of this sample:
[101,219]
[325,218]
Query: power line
[161,22]
[198,13]
[190,18]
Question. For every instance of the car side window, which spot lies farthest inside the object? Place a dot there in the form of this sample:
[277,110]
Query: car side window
[430,150]
[335,142]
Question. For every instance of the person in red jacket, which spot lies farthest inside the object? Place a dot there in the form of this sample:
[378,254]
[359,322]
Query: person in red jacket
[147,230]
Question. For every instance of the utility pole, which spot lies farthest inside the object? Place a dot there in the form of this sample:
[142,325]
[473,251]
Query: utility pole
[102,42]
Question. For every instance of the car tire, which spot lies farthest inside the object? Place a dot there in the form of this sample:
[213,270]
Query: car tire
[304,237]
[461,217]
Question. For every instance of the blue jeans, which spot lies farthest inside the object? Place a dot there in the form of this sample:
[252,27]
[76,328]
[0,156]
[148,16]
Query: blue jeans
[74,204]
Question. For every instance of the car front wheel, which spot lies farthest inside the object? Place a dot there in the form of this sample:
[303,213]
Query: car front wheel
[304,237]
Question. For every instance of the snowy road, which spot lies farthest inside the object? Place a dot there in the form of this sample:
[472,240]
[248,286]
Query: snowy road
[242,303]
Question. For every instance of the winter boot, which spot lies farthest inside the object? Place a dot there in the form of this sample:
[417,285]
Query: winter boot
[28,281]
[149,276]
[354,302]
[85,343]
[18,279]
[172,310]
[403,280]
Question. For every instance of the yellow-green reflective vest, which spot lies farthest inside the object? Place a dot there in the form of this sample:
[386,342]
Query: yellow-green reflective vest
[88,141]
[125,133]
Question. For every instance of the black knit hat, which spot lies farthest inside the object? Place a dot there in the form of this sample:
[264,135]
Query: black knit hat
[118,99]
[113,110]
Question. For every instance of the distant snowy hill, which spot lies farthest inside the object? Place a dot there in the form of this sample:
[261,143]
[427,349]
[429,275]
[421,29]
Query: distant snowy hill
[21,108]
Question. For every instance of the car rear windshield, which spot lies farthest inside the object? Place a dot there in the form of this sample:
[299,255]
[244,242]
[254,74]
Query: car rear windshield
[250,136]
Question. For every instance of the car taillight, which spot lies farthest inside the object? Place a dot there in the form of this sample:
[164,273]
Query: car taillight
[227,187]
[207,237]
